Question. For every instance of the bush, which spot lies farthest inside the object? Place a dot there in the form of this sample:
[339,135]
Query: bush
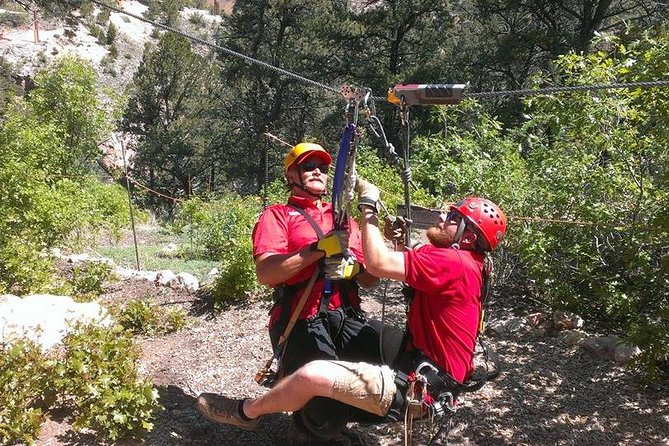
[95,378]
[112,32]
[144,317]
[26,379]
[221,230]
[88,280]
[100,379]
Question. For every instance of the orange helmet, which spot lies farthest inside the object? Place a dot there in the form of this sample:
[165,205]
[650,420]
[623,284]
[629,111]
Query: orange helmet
[303,150]
[485,215]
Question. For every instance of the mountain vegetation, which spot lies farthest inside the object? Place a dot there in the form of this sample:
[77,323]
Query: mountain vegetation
[583,175]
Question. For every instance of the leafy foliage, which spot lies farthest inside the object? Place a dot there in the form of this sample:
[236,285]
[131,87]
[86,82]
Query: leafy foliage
[143,317]
[170,111]
[96,379]
[47,144]
[100,373]
[221,229]
[88,280]
[25,391]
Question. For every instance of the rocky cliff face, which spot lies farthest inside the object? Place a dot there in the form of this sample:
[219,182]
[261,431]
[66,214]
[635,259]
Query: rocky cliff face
[31,48]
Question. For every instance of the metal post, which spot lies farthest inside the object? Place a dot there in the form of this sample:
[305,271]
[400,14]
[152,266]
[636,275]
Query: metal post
[35,25]
[132,214]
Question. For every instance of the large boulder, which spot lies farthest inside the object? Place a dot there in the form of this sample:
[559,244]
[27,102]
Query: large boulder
[46,319]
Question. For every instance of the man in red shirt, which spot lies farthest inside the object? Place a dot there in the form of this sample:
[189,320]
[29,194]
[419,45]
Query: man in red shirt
[447,276]
[292,242]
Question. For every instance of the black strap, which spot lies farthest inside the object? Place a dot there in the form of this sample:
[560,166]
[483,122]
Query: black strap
[344,287]
[310,219]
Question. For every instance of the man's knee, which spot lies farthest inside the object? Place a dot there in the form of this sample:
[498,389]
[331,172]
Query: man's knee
[317,376]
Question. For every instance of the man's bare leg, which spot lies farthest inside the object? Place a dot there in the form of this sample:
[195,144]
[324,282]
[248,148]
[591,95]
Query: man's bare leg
[316,378]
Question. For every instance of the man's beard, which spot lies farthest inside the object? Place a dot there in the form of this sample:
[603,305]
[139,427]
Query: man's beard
[439,238]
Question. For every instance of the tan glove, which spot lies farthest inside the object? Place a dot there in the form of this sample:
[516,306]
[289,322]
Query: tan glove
[395,228]
[368,194]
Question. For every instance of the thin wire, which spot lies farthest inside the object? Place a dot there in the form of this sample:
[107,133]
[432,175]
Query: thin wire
[321,86]
[551,90]
[223,49]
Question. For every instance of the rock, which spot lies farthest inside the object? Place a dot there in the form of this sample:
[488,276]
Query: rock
[625,352]
[164,277]
[169,250]
[77,258]
[602,347]
[573,337]
[535,319]
[185,281]
[45,319]
[564,320]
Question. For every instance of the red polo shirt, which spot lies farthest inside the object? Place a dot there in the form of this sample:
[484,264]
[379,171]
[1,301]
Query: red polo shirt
[280,229]
[444,314]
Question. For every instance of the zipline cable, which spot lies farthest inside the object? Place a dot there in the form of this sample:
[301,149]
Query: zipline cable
[329,89]
[566,89]
[223,49]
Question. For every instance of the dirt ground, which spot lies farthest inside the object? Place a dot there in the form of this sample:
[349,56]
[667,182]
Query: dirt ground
[548,393]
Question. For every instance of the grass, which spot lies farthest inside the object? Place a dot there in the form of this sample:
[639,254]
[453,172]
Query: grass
[152,241]
[152,259]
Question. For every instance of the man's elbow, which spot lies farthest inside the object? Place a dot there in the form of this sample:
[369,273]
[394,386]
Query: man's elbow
[263,276]
[374,269]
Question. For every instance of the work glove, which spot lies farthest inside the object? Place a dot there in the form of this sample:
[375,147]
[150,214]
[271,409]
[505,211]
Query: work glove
[335,243]
[368,194]
[395,228]
[341,267]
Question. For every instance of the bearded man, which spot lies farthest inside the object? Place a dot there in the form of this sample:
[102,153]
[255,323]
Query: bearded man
[447,276]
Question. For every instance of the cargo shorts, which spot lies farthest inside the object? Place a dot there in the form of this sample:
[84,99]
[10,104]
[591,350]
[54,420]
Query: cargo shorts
[365,386]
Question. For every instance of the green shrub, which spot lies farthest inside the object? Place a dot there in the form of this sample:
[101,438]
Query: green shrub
[221,230]
[197,18]
[88,280]
[26,390]
[142,316]
[100,379]
[94,378]
[112,32]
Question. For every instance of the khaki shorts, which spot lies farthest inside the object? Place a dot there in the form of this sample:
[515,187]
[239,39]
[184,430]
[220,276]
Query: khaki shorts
[365,386]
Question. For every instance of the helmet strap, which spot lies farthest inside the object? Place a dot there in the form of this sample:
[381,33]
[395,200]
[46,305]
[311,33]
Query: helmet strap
[302,187]
[458,234]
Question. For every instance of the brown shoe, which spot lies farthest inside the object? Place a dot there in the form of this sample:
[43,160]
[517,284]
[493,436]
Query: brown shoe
[220,409]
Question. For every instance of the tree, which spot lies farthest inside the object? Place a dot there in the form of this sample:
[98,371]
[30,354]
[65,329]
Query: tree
[304,37]
[500,44]
[170,112]
[68,100]
[46,143]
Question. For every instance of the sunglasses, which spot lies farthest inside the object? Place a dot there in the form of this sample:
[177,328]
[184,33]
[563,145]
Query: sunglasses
[453,216]
[313,165]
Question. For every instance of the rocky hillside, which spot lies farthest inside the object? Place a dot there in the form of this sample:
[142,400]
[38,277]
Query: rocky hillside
[31,48]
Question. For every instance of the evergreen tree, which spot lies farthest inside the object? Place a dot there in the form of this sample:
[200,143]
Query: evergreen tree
[169,111]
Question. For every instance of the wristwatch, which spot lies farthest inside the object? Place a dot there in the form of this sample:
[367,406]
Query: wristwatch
[368,203]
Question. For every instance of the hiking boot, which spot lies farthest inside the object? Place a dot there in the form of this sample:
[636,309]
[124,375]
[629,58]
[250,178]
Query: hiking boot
[220,409]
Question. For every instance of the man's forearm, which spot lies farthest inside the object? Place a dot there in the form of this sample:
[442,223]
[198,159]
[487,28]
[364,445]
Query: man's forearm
[379,260]
[273,269]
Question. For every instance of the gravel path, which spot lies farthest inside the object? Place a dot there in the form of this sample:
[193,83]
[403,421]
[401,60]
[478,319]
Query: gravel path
[547,394]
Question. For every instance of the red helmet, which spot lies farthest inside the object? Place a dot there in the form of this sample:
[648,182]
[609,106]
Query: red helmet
[485,215]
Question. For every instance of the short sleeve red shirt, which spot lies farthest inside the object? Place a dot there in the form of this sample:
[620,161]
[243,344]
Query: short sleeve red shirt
[444,314]
[281,229]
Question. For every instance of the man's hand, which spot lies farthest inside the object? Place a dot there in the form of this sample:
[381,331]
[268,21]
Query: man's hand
[341,268]
[368,194]
[395,228]
[335,243]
